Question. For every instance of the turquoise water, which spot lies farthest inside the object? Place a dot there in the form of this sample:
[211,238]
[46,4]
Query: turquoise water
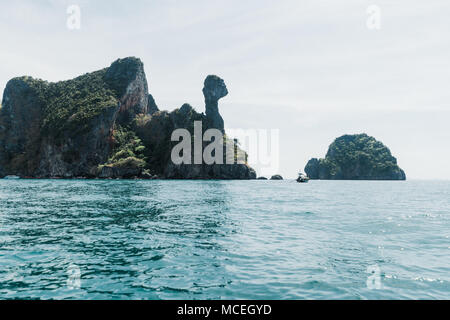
[224,239]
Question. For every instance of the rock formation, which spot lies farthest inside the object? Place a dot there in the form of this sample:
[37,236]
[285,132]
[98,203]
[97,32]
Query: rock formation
[214,90]
[276,177]
[152,107]
[103,124]
[356,157]
[155,132]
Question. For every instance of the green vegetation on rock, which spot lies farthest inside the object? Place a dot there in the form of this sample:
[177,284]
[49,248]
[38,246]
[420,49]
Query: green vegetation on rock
[70,105]
[128,150]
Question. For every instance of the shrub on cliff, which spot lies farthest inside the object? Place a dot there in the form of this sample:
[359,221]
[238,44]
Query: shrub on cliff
[130,162]
[126,146]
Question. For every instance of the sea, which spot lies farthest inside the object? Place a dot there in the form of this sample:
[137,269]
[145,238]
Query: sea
[159,239]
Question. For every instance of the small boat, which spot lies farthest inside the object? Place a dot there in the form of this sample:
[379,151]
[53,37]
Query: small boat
[11,177]
[302,178]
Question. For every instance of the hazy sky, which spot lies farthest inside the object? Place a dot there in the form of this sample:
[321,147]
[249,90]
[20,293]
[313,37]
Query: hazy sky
[309,68]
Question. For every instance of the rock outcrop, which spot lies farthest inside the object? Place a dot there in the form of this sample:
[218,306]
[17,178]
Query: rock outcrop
[356,157]
[21,114]
[156,131]
[214,89]
[126,77]
[103,124]
[276,177]
[152,107]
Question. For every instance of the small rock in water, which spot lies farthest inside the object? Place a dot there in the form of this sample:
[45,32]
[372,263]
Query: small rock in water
[276,177]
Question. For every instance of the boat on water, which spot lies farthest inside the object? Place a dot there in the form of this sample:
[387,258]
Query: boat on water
[302,178]
[11,177]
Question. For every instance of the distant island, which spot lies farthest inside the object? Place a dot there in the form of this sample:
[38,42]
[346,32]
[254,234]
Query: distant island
[103,124]
[356,157]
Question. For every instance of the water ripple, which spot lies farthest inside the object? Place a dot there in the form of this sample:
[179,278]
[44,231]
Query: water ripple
[223,239]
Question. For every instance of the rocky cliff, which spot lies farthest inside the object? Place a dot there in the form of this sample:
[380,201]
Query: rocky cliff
[356,157]
[102,124]
[156,131]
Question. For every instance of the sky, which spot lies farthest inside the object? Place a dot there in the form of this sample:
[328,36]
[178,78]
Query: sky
[311,69]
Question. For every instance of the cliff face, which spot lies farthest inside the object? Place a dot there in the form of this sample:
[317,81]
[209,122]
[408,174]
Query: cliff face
[63,129]
[356,157]
[20,119]
[102,124]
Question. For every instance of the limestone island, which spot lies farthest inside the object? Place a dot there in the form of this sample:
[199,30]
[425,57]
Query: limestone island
[356,157]
[103,124]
